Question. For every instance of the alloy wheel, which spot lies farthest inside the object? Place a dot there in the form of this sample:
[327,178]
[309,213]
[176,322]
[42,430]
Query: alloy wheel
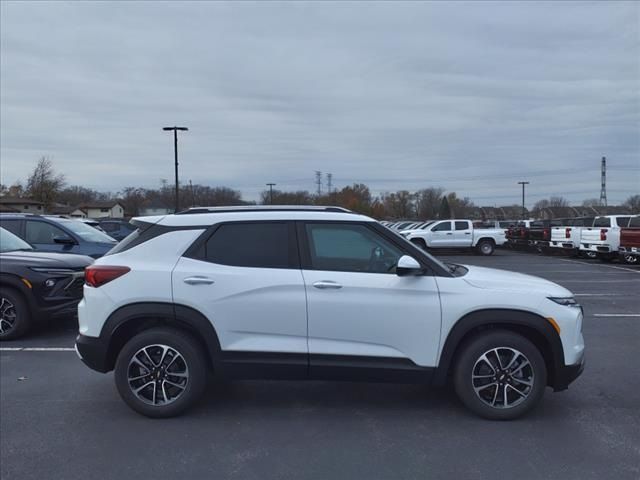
[8,316]
[157,375]
[502,377]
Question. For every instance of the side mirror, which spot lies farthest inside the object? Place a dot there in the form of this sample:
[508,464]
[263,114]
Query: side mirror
[64,240]
[408,266]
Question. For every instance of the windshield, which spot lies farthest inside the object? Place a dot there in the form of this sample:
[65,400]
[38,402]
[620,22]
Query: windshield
[11,243]
[86,232]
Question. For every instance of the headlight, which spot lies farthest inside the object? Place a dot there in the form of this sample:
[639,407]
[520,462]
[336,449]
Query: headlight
[566,301]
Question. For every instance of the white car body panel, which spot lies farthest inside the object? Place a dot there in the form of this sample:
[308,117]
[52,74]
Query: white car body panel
[374,314]
[148,281]
[251,309]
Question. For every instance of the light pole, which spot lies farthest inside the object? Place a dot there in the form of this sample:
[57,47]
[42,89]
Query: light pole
[271,185]
[175,155]
[524,214]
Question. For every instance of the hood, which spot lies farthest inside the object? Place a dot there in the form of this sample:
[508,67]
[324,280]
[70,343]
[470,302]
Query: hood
[494,279]
[34,258]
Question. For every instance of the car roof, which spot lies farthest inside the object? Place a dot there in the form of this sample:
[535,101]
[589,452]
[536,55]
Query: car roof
[209,215]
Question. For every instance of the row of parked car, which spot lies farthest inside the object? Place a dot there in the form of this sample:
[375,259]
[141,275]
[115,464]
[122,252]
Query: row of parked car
[606,237]
[42,265]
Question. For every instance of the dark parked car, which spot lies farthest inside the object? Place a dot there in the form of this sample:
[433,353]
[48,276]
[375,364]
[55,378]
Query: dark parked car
[36,286]
[56,234]
[118,229]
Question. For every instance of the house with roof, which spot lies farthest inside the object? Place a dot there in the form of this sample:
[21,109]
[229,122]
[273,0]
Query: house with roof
[20,205]
[108,209]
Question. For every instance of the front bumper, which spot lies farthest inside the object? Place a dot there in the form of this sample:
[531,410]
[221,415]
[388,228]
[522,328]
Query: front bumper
[566,375]
[94,352]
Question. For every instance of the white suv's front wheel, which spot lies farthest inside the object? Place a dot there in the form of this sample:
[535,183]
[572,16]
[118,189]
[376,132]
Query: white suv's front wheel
[500,375]
[161,372]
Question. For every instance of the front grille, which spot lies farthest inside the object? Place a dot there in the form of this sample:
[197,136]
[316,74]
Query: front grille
[75,288]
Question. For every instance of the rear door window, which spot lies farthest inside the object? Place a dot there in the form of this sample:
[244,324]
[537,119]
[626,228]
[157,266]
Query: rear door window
[602,222]
[258,245]
[462,226]
[623,221]
[634,222]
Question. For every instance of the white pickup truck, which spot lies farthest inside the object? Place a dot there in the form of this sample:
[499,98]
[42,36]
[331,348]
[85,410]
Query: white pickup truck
[603,237]
[458,234]
[567,237]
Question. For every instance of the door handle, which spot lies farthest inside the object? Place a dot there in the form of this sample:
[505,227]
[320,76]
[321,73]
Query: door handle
[467,233]
[324,284]
[198,280]
[449,233]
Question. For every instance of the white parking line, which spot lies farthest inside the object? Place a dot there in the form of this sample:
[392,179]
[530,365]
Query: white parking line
[600,295]
[37,349]
[616,314]
[599,265]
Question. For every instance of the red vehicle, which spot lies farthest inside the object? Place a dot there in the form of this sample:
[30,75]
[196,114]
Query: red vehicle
[629,249]
[518,234]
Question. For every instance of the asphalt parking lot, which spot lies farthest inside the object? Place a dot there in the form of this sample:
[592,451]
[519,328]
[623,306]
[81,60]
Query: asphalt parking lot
[58,419]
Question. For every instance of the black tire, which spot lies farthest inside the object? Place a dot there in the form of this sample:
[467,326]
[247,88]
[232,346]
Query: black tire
[193,358]
[629,259]
[15,316]
[485,247]
[588,254]
[469,358]
[420,243]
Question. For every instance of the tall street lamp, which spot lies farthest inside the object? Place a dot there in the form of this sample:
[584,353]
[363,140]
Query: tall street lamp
[524,212]
[175,155]
[271,185]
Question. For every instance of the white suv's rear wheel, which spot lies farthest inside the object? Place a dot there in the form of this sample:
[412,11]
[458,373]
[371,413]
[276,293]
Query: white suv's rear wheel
[500,375]
[161,372]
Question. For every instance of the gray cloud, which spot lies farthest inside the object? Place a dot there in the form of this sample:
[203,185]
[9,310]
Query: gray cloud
[469,96]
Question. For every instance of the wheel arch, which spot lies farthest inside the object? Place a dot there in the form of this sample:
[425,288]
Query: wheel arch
[14,283]
[535,328]
[132,319]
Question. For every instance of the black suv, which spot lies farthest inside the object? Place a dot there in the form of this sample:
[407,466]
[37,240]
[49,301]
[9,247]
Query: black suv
[36,286]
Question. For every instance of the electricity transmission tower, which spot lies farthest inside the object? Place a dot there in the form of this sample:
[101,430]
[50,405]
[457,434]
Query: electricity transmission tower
[603,182]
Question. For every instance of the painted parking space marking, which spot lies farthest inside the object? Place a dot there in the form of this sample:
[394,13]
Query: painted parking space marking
[37,349]
[616,314]
[600,265]
[600,295]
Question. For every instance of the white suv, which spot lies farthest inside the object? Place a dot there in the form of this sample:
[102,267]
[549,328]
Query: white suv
[316,293]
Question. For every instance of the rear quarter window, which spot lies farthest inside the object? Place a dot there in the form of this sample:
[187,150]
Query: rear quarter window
[257,245]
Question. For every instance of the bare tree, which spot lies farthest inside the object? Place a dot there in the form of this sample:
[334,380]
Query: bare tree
[44,183]
[591,202]
[428,202]
[633,202]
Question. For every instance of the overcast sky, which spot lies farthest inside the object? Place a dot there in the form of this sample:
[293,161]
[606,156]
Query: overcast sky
[468,96]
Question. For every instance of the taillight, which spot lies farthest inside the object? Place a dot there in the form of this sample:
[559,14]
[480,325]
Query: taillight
[567,233]
[603,234]
[545,233]
[522,232]
[98,275]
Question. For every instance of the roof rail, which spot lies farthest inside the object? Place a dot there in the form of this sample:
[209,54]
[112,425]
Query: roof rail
[265,208]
